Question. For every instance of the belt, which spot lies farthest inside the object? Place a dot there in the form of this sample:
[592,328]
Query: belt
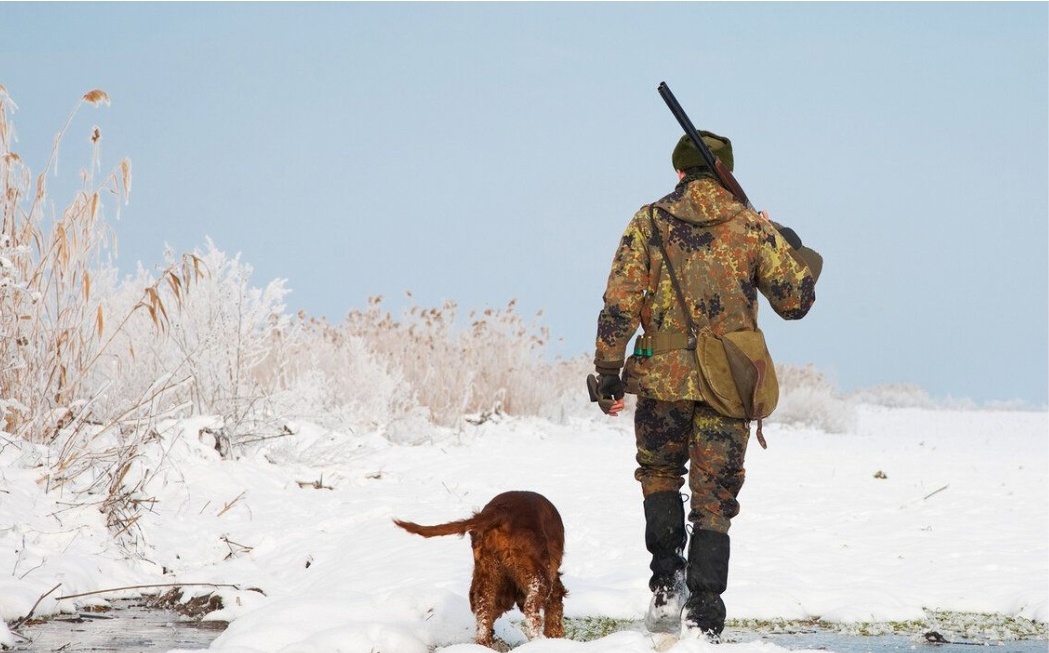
[649,344]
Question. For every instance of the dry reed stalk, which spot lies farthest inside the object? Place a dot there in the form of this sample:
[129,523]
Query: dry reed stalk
[53,328]
[56,329]
[230,504]
[50,284]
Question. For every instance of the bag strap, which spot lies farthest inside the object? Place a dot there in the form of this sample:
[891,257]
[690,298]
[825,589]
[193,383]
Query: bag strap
[657,237]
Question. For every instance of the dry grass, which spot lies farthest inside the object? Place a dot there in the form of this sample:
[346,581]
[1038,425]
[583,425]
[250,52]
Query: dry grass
[55,329]
[428,365]
[493,363]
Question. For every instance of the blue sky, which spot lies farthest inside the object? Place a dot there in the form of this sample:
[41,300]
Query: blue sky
[483,152]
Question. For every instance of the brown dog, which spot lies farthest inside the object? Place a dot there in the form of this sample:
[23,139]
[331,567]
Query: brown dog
[518,541]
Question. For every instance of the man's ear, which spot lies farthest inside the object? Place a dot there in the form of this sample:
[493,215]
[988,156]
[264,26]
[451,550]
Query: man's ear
[680,175]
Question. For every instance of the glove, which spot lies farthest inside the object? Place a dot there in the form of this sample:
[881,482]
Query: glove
[788,234]
[610,386]
[808,256]
[606,389]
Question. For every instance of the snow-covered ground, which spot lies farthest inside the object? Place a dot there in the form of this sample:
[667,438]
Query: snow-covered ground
[912,510]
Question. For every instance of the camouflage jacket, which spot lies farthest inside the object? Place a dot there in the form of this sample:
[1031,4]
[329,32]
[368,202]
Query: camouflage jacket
[723,254]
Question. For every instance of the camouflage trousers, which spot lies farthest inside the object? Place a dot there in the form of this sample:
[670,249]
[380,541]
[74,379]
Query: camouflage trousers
[672,433]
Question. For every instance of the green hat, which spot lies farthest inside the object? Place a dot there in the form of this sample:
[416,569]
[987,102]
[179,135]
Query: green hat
[687,156]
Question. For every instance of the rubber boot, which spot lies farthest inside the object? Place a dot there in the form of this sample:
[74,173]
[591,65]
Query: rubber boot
[665,539]
[707,579]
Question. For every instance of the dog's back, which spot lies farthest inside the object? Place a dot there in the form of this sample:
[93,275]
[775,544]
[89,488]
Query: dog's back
[518,543]
[526,520]
[520,515]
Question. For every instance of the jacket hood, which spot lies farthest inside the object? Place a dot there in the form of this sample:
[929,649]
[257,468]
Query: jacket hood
[700,200]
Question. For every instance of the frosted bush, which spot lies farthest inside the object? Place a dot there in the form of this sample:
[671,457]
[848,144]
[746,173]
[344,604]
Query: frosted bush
[224,334]
[564,391]
[336,380]
[899,395]
[808,398]
[124,379]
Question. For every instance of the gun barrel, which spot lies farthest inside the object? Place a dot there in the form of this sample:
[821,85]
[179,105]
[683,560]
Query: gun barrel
[686,124]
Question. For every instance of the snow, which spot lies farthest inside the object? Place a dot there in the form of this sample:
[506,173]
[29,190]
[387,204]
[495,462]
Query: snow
[912,509]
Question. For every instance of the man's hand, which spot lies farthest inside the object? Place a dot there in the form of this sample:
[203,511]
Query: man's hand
[607,390]
[788,234]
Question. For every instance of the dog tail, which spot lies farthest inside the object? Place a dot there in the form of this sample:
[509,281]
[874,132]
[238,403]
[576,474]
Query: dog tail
[460,527]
